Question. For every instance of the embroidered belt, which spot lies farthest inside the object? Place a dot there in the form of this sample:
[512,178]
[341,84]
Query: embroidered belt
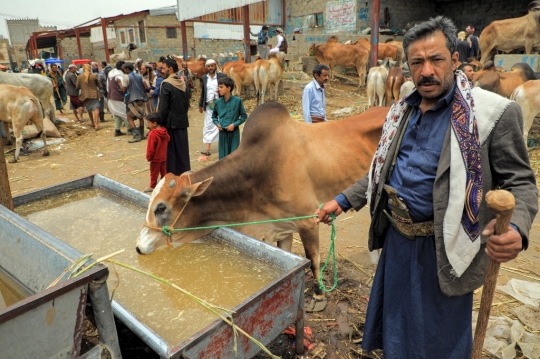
[401,220]
[317,119]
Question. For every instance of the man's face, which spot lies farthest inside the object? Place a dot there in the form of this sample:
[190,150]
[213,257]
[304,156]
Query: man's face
[184,66]
[432,66]
[211,68]
[469,72]
[54,67]
[323,77]
[73,69]
[167,71]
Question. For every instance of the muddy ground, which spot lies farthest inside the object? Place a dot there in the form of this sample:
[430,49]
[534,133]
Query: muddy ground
[338,330]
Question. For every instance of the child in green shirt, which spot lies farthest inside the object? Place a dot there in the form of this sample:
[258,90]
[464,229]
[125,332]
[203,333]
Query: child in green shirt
[228,115]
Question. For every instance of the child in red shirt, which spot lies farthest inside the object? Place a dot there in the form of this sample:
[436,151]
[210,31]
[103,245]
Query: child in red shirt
[156,149]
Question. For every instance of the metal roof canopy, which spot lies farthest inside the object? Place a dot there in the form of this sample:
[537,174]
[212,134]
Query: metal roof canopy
[187,10]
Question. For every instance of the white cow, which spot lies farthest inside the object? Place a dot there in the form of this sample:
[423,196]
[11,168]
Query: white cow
[406,89]
[268,72]
[40,86]
[376,83]
[527,96]
[20,106]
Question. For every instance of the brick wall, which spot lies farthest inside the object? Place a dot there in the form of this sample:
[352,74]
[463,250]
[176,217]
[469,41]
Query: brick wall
[70,49]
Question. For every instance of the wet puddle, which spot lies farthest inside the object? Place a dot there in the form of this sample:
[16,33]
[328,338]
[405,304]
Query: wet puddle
[100,223]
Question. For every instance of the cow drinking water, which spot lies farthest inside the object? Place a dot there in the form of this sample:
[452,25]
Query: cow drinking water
[283,168]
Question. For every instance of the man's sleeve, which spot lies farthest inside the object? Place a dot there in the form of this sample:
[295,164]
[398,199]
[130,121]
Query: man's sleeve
[201,99]
[511,170]
[305,105]
[164,99]
[356,194]
[242,115]
[215,116]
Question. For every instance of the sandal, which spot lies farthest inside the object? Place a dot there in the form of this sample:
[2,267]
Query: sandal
[148,190]
[206,153]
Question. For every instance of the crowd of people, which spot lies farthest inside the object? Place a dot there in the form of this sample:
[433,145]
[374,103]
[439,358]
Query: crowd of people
[157,97]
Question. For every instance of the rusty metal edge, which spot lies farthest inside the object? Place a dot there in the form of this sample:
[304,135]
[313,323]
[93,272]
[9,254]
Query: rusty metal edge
[177,350]
[52,293]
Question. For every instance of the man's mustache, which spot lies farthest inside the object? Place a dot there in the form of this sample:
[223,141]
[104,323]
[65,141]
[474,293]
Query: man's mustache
[428,80]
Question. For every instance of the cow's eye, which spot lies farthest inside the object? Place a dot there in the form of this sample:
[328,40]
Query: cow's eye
[160,208]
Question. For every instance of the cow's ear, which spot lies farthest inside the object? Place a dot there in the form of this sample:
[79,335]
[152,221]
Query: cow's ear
[379,62]
[198,188]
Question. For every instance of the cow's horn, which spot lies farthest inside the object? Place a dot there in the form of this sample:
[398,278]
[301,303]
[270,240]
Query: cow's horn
[172,183]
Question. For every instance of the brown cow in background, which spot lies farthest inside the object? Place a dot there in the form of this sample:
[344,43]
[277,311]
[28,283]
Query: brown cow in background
[394,81]
[502,83]
[512,34]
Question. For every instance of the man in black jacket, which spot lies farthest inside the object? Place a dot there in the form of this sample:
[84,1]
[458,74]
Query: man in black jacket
[173,109]
[209,95]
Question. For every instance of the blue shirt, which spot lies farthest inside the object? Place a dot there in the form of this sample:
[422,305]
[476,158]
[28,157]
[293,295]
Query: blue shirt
[418,157]
[313,101]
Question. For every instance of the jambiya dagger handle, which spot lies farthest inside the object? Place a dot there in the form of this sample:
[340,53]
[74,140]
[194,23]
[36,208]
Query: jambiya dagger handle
[502,203]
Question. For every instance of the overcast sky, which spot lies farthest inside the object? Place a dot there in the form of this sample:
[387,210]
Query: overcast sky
[66,14]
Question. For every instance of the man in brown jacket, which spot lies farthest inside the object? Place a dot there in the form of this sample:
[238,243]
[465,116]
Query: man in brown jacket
[90,85]
[442,149]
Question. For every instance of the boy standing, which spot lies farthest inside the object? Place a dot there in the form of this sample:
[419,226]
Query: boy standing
[156,149]
[228,115]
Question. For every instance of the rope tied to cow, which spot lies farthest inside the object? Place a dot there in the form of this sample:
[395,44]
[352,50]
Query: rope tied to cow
[169,230]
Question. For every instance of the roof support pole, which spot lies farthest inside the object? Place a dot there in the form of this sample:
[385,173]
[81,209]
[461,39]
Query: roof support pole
[77,33]
[35,54]
[105,39]
[59,47]
[247,35]
[374,52]
[184,39]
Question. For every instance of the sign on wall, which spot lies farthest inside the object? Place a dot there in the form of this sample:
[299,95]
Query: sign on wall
[340,16]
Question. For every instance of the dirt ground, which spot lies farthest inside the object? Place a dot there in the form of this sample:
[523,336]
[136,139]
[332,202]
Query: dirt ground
[337,331]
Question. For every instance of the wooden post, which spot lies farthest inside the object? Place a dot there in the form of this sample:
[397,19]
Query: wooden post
[59,47]
[374,52]
[77,33]
[247,35]
[105,40]
[184,39]
[5,190]
[34,41]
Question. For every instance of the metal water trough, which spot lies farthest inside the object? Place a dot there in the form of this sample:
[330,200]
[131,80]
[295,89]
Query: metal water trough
[49,324]
[264,315]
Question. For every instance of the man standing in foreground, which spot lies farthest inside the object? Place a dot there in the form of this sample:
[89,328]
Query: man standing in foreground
[209,95]
[313,96]
[450,144]
[173,109]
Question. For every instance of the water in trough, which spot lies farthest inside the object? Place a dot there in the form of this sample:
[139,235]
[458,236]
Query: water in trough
[97,222]
[10,291]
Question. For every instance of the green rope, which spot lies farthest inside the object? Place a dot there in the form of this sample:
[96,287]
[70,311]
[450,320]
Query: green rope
[331,251]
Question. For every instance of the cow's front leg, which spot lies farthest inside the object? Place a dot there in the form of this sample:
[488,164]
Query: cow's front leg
[286,244]
[310,240]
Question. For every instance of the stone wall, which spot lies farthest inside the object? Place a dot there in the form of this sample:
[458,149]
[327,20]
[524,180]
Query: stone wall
[70,50]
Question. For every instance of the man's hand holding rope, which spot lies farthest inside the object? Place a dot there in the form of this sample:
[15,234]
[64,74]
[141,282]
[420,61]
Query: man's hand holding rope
[324,212]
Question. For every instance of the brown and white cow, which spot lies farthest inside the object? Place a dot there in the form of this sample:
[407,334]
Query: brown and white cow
[336,54]
[19,106]
[394,81]
[527,96]
[227,66]
[283,168]
[376,83]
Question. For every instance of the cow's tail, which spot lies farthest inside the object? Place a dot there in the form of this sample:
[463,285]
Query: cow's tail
[41,113]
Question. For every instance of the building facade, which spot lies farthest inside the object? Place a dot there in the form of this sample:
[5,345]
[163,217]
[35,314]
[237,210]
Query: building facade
[19,33]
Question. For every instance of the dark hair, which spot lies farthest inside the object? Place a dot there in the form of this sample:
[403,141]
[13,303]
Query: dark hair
[464,65]
[265,27]
[317,70]
[119,64]
[427,28]
[154,117]
[104,63]
[227,82]
[171,63]
[129,66]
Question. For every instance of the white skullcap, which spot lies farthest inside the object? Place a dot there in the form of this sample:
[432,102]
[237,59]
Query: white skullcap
[210,62]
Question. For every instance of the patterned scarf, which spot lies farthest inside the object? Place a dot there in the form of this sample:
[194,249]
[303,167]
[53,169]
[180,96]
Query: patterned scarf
[466,168]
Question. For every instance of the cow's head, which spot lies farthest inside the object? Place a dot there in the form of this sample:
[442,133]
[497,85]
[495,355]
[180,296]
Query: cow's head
[168,200]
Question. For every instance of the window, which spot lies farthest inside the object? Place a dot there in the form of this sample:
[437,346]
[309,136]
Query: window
[142,32]
[122,37]
[171,32]
[131,35]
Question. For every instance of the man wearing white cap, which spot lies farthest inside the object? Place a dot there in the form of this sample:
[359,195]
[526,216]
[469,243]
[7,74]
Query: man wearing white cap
[209,95]
[281,42]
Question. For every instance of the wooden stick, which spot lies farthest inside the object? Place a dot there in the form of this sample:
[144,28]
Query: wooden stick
[502,203]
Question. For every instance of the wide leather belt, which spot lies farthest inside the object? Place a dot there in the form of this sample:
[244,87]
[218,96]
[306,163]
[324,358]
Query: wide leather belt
[400,219]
